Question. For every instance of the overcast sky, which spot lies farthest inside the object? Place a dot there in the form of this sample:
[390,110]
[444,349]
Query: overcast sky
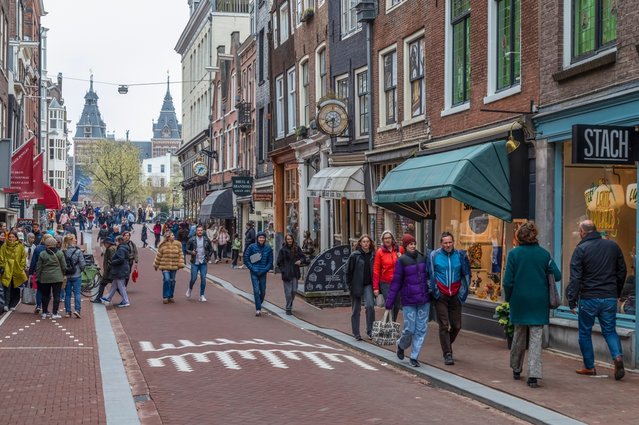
[121,42]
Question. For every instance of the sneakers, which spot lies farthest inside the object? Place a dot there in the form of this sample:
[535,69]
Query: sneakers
[202,299]
[165,301]
[414,362]
[400,353]
[289,312]
[96,301]
[188,293]
[67,315]
[586,371]
[44,316]
[619,370]
[105,300]
[38,310]
[448,359]
[258,313]
[56,316]
[516,375]
[123,304]
[77,314]
[358,338]
[171,301]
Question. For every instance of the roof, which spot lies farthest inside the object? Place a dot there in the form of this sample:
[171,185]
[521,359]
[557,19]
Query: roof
[167,126]
[90,124]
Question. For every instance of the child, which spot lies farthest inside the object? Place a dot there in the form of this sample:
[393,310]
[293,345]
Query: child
[236,247]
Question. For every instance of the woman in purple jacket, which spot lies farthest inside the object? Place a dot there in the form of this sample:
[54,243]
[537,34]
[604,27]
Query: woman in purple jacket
[410,280]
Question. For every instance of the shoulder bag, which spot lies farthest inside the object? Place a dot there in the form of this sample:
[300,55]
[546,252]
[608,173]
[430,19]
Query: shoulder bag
[554,299]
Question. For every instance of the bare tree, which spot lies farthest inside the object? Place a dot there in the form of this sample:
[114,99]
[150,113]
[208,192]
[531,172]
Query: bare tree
[115,171]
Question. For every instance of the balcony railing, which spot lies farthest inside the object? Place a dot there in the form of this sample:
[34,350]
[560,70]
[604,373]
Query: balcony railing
[244,113]
[232,6]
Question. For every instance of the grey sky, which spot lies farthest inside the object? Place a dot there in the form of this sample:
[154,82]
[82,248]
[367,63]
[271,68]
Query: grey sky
[122,42]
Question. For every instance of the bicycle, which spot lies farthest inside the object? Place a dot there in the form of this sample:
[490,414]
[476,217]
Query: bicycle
[91,277]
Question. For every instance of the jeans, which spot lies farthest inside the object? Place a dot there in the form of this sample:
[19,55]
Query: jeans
[604,309]
[201,269]
[290,288]
[259,289]
[369,307]
[235,256]
[449,318]
[118,285]
[415,328]
[221,251]
[73,284]
[168,284]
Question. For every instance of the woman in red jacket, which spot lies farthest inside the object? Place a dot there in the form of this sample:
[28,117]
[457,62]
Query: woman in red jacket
[384,267]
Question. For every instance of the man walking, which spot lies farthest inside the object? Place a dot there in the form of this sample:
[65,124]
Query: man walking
[450,274]
[258,258]
[597,276]
[200,249]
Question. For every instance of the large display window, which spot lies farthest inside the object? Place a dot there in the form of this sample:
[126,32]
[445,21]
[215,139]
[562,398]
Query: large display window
[608,196]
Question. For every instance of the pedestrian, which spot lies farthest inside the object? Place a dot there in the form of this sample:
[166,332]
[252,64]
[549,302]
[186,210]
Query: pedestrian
[109,250]
[212,233]
[201,250]
[3,238]
[120,270]
[36,232]
[74,257]
[258,258]
[236,247]
[223,238]
[133,253]
[50,271]
[597,276]
[526,289]
[157,231]
[359,280]
[383,268]
[102,234]
[249,235]
[289,260]
[449,277]
[183,237]
[32,269]
[169,260]
[13,263]
[144,235]
[410,281]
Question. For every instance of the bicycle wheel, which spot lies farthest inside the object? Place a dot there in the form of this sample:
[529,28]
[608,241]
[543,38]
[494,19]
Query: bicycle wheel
[90,282]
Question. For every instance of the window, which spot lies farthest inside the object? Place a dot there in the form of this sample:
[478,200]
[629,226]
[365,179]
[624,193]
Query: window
[51,149]
[162,168]
[291,102]
[390,87]
[361,105]
[252,16]
[284,23]
[321,71]
[460,23]
[508,43]
[304,93]
[349,17]
[233,93]
[594,26]
[260,53]
[279,106]
[415,65]
[261,149]
[299,9]
[219,100]
[149,168]
[276,32]
[341,91]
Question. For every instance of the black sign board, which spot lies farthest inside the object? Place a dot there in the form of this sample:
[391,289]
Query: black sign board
[26,223]
[14,201]
[327,272]
[242,186]
[604,144]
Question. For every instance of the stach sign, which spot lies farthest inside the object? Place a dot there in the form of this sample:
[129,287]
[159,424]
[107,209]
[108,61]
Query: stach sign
[604,144]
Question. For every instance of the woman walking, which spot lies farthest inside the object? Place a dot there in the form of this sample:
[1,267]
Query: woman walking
[526,289]
[236,247]
[144,235]
[384,267]
[50,271]
[359,279]
[410,280]
[13,262]
[223,238]
[120,270]
[74,256]
[212,233]
[289,261]
[157,231]
[169,260]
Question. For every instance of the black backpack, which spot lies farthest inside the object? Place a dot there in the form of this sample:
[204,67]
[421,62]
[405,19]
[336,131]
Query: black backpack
[70,264]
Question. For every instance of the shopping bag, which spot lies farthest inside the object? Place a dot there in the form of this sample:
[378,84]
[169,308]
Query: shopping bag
[385,331]
[134,275]
[554,300]
[28,295]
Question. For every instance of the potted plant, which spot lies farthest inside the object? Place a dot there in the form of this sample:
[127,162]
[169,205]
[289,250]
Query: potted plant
[307,14]
[301,132]
[502,314]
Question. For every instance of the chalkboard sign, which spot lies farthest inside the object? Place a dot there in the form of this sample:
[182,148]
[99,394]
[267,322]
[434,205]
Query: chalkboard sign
[327,272]
[26,223]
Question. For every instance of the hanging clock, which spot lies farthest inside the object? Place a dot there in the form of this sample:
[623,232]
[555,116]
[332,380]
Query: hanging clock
[332,118]
[200,169]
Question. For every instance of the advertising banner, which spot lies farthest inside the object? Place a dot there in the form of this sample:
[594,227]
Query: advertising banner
[22,168]
[37,190]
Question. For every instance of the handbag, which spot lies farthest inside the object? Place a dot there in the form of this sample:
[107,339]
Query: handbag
[28,295]
[134,275]
[254,258]
[385,331]
[554,301]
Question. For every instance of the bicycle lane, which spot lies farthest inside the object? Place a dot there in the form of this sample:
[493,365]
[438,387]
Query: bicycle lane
[217,360]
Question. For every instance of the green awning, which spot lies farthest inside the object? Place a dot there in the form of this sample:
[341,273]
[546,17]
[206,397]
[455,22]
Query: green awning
[475,175]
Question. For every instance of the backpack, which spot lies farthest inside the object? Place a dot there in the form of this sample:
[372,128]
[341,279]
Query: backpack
[70,264]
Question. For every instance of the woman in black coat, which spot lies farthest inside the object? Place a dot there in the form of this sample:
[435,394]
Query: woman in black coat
[289,260]
[359,279]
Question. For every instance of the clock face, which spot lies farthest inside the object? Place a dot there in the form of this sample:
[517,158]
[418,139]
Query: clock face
[200,169]
[332,119]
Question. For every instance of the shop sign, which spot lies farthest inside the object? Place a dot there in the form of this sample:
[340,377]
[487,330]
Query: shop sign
[27,223]
[242,186]
[604,144]
[263,197]
[39,207]
[14,201]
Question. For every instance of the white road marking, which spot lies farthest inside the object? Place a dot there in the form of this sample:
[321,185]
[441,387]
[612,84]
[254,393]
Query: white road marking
[148,346]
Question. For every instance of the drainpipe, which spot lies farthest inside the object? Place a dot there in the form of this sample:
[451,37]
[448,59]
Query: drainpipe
[369,79]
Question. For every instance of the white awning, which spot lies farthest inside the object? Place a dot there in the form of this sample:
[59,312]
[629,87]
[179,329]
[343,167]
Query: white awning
[337,183]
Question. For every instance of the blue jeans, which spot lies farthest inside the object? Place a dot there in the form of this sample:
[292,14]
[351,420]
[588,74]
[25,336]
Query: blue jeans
[604,309]
[73,284]
[201,269]
[415,328]
[259,290]
[168,284]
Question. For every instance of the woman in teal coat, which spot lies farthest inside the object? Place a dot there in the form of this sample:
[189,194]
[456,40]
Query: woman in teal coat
[526,289]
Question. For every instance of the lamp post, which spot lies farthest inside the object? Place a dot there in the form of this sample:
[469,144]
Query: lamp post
[211,70]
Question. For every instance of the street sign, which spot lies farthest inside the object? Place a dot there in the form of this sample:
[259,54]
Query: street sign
[604,144]
[242,186]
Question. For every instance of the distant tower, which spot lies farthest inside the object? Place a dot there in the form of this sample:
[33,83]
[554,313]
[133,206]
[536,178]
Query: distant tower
[167,132]
[90,129]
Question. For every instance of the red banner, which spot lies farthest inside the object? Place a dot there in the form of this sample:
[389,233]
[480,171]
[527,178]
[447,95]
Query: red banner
[38,185]
[22,168]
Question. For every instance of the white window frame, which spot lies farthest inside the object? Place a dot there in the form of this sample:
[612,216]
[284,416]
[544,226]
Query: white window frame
[339,79]
[356,97]
[449,109]
[318,77]
[279,106]
[305,94]
[408,107]
[348,15]
[219,100]
[252,16]
[393,4]
[382,98]
[291,100]
[284,22]
[275,17]
[233,93]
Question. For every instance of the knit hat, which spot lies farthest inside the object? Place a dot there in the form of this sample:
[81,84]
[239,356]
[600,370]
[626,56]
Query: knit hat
[407,239]
[51,243]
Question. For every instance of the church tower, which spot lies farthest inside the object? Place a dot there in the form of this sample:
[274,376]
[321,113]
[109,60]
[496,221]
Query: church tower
[167,132]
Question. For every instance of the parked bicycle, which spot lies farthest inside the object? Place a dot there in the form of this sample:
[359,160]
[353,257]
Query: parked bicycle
[91,277]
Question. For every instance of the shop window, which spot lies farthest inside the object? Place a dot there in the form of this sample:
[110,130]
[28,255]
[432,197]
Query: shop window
[594,26]
[291,201]
[482,236]
[508,43]
[607,196]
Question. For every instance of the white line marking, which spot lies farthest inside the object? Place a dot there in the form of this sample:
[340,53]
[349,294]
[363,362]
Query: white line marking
[148,346]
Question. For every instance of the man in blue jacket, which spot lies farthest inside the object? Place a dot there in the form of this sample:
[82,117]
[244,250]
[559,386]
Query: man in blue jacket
[450,274]
[258,258]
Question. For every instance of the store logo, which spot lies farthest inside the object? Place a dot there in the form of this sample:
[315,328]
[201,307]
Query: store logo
[602,144]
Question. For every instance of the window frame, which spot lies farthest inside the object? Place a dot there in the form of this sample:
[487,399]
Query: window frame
[342,81]
[321,72]
[384,89]
[348,18]
[409,41]
[285,22]
[279,107]
[291,101]
[304,92]
[600,49]
[450,107]
[361,97]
